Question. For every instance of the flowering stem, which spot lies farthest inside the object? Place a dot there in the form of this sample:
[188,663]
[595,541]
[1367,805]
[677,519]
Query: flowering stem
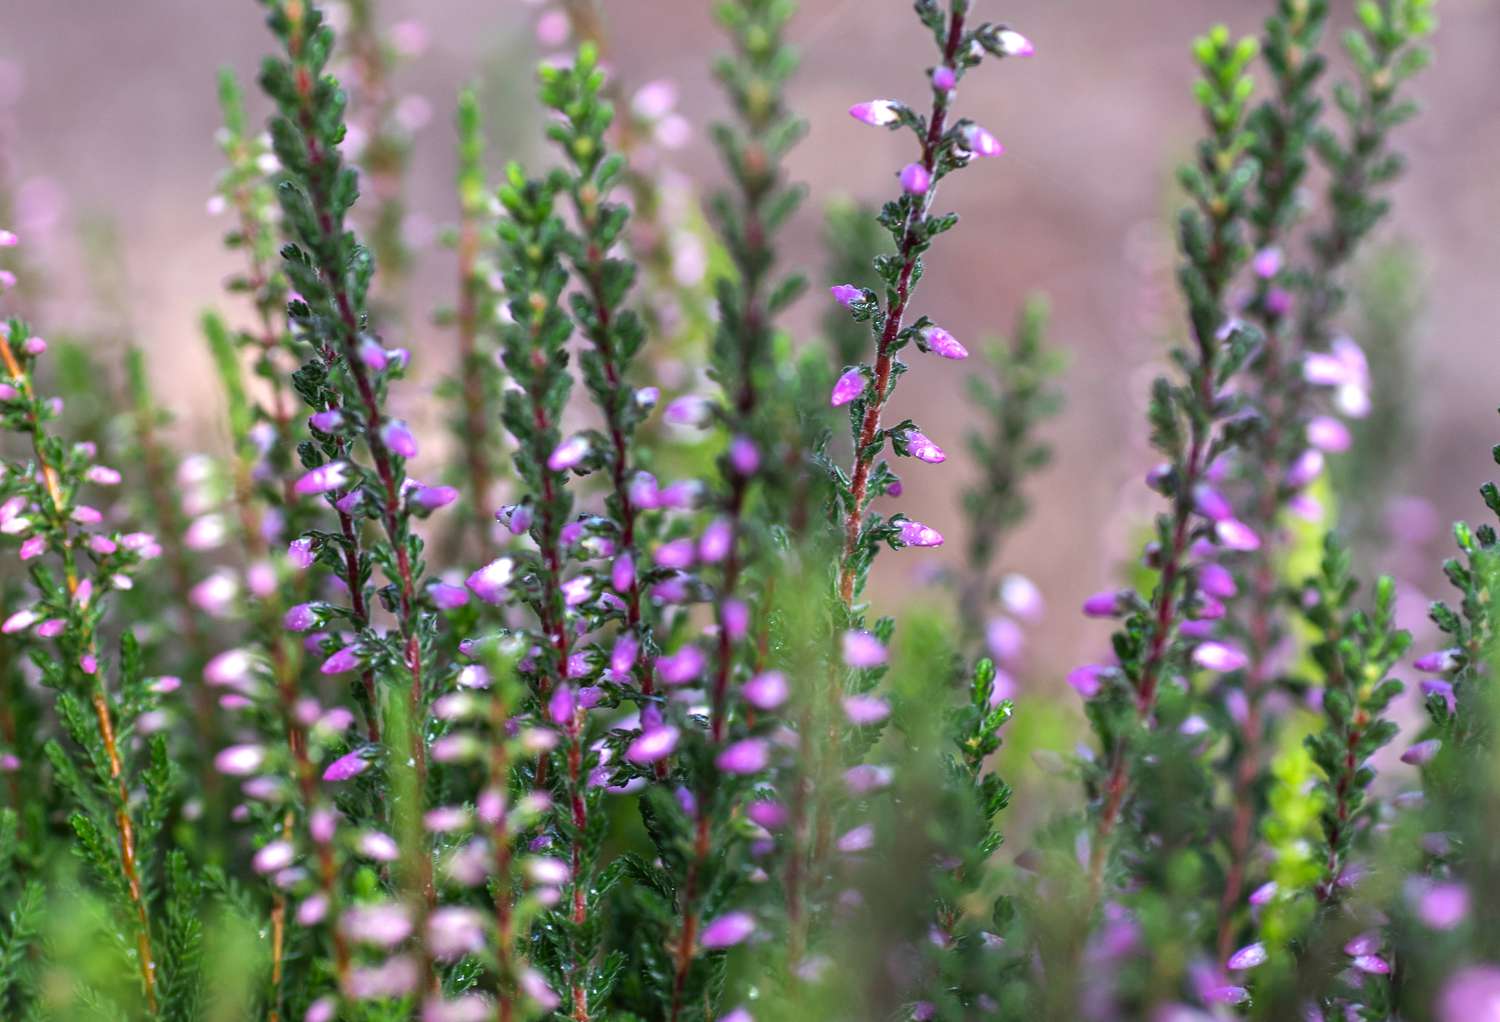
[98,698]
[909,254]
[1213,252]
[321,171]
[1282,125]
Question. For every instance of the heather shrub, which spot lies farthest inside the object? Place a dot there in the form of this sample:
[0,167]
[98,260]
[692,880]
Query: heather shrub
[605,699]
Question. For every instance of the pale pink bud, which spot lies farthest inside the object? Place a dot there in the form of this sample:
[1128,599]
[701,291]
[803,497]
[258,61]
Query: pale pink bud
[848,387]
[878,113]
[915,179]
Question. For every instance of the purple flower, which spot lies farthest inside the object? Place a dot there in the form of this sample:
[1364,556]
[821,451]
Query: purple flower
[1267,262]
[735,618]
[1443,906]
[864,710]
[981,142]
[577,590]
[767,690]
[689,410]
[878,113]
[1307,467]
[300,552]
[677,554]
[846,294]
[1328,434]
[228,669]
[1439,662]
[653,744]
[1088,679]
[20,621]
[859,839]
[568,454]
[1219,656]
[1438,687]
[1247,957]
[372,844]
[622,573]
[1472,994]
[277,855]
[447,597]
[560,706]
[329,421]
[346,659]
[1212,504]
[941,342]
[622,657]
[430,498]
[489,582]
[300,618]
[915,179]
[681,667]
[1105,604]
[1216,580]
[382,925]
[35,546]
[346,767]
[1234,534]
[917,534]
[862,650]
[727,930]
[240,760]
[1263,894]
[1013,43]
[1372,964]
[848,387]
[452,932]
[322,479]
[923,449]
[744,456]
[770,815]
[717,540]
[746,756]
[102,475]
[1422,753]
[943,78]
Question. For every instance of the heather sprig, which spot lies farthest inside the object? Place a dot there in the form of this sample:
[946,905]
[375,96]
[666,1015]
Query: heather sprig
[1282,127]
[943,150]
[346,382]
[382,123]
[1352,654]
[1386,50]
[1011,401]
[719,766]
[533,242]
[43,506]
[1192,426]
[477,383]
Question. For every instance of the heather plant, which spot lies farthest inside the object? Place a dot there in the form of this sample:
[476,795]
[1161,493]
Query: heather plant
[616,718]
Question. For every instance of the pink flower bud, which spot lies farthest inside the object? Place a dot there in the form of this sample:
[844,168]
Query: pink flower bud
[101,475]
[622,657]
[300,618]
[878,113]
[767,690]
[654,744]
[240,760]
[343,661]
[1105,604]
[941,342]
[1088,679]
[917,534]
[682,667]
[447,597]
[862,650]
[398,437]
[1219,656]
[568,454]
[865,710]
[300,552]
[747,756]
[846,294]
[677,554]
[430,498]
[915,179]
[381,925]
[848,387]
[332,476]
[1236,535]
[1014,44]
[490,582]
[943,78]
[981,142]
[346,767]
[923,449]
[717,541]
[1422,753]
[727,931]
[1247,957]
[272,857]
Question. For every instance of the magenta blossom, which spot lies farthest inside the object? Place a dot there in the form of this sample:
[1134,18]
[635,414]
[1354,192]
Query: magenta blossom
[863,650]
[848,387]
[941,342]
[915,179]
[878,113]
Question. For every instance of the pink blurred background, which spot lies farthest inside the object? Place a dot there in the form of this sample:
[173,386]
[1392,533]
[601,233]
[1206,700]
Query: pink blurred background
[114,115]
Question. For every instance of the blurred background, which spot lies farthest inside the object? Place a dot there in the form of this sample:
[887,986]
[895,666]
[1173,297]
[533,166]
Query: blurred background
[107,122]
